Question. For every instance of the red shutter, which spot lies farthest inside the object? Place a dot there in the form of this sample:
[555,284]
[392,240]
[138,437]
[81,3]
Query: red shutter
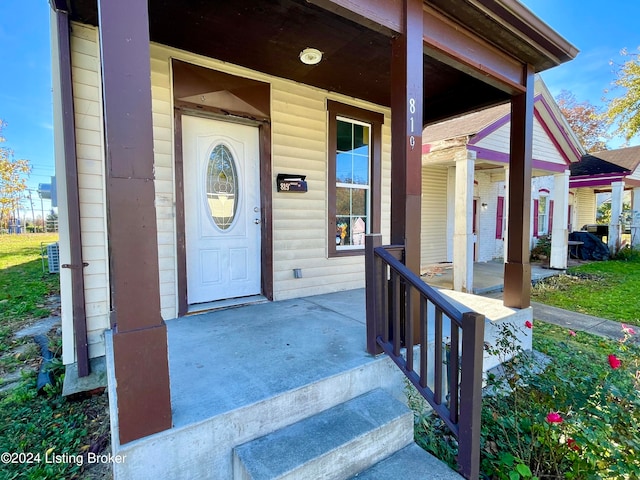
[499,218]
[550,216]
[535,218]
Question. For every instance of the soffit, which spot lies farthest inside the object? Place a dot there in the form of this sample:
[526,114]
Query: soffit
[268,37]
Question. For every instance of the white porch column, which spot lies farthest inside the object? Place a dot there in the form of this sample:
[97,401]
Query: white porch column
[635,222]
[614,237]
[560,232]
[505,218]
[451,210]
[463,223]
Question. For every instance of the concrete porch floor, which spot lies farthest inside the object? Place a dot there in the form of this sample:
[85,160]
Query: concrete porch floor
[487,276]
[226,359]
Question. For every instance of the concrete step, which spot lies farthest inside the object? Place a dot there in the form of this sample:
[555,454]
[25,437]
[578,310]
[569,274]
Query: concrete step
[334,444]
[410,463]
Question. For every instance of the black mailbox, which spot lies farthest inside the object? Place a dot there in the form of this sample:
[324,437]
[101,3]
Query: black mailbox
[291,183]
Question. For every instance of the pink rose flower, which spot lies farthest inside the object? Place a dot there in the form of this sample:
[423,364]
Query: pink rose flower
[572,333]
[554,417]
[614,361]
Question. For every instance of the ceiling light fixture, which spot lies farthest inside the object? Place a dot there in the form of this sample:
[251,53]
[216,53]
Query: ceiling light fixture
[310,56]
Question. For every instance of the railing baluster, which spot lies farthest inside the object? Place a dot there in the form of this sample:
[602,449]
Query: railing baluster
[437,363]
[453,372]
[395,282]
[408,326]
[384,293]
[424,341]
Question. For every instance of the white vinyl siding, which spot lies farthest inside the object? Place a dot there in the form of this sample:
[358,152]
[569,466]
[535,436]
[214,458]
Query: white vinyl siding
[87,99]
[543,147]
[433,239]
[585,207]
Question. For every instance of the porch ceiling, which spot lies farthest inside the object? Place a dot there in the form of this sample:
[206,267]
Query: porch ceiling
[268,37]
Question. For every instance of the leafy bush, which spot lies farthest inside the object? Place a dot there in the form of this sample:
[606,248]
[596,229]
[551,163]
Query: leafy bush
[576,416]
[542,250]
[627,255]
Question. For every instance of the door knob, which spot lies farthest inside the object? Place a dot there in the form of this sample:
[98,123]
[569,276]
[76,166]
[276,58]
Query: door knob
[257,221]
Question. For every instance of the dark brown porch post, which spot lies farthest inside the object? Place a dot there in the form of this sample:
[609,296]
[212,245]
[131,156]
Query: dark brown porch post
[65,88]
[406,137]
[140,336]
[517,270]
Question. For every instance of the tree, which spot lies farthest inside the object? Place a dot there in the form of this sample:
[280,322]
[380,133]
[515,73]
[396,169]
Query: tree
[13,180]
[587,121]
[625,109]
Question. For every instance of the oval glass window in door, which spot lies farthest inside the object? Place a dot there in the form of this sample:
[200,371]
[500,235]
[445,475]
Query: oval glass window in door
[222,186]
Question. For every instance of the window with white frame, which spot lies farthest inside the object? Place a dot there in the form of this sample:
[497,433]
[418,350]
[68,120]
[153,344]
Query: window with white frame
[353,190]
[354,177]
[543,215]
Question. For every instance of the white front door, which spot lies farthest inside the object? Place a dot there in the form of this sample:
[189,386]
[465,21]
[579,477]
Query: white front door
[222,209]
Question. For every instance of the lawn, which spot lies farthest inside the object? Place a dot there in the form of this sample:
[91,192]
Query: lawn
[36,427]
[604,289]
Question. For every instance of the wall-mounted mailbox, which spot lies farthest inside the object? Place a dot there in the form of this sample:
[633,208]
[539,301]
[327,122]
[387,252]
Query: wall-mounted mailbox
[291,183]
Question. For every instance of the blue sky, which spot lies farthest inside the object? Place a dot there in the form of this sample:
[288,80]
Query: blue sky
[598,28]
[25,86]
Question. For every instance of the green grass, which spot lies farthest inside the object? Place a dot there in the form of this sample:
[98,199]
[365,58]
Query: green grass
[604,289]
[31,423]
[23,285]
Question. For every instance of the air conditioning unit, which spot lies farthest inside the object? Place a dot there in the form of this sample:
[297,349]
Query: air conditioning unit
[53,257]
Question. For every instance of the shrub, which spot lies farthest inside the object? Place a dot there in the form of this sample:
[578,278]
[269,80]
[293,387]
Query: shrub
[627,254]
[576,416]
[542,250]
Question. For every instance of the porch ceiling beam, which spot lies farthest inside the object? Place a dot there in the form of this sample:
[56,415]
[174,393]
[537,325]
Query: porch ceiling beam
[140,337]
[458,47]
[383,16]
[517,270]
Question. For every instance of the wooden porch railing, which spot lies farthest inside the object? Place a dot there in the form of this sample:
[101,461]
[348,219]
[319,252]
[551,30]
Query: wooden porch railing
[393,294]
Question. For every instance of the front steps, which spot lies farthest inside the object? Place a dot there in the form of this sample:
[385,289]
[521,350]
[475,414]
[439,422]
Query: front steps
[370,436]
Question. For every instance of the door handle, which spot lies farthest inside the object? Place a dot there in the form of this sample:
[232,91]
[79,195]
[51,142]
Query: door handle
[257,221]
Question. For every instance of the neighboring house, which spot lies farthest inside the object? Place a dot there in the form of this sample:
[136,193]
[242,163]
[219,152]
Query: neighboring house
[464,195]
[608,171]
[216,153]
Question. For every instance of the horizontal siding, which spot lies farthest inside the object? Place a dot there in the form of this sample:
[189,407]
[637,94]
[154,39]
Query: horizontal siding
[543,146]
[163,148]
[433,240]
[585,207]
[497,141]
[91,174]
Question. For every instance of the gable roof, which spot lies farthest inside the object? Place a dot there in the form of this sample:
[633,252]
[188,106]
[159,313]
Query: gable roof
[590,165]
[471,128]
[600,169]
[628,158]
[466,125]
